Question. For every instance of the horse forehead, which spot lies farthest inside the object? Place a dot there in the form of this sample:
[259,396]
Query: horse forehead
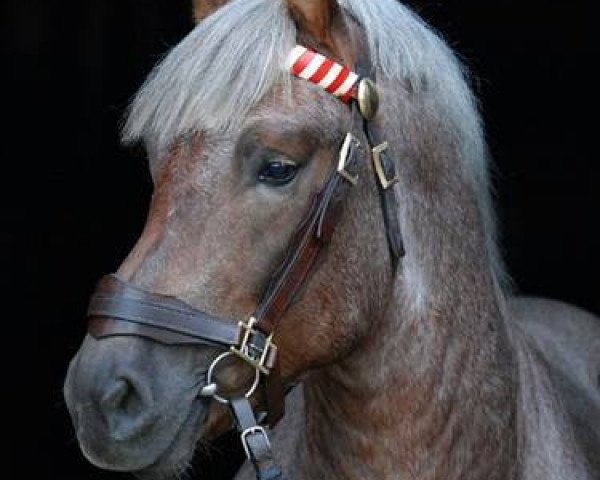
[202,148]
[204,157]
[300,99]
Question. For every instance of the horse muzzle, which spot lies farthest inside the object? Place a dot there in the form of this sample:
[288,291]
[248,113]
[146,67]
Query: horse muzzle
[133,408]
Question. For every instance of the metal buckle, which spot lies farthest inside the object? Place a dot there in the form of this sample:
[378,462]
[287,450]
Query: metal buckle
[349,142]
[251,431]
[383,180]
[255,348]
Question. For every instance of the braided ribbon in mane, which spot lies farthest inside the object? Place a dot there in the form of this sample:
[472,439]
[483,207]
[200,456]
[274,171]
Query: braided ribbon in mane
[337,79]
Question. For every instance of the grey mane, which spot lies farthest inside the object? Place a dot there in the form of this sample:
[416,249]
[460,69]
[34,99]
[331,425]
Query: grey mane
[232,59]
[214,77]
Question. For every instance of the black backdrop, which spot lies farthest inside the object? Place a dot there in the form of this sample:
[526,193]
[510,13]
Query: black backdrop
[74,200]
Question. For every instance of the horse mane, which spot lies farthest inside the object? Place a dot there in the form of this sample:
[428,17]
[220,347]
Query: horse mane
[214,77]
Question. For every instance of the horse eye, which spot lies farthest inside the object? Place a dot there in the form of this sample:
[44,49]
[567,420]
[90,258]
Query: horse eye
[277,173]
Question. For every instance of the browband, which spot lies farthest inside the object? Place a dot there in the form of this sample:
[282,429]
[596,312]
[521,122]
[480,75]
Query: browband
[337,79]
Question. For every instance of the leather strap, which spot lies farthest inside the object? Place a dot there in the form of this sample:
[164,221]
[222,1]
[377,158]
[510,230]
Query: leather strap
[255,441]
[119,308]
[314,233]
[312,236]
[389,203]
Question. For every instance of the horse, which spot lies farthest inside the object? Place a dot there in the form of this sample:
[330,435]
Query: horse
[319,269]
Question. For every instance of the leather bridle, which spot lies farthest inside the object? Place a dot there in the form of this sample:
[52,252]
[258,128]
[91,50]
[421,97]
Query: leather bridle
[119,308]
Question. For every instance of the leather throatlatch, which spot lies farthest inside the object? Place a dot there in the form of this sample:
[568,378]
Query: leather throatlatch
[119,308]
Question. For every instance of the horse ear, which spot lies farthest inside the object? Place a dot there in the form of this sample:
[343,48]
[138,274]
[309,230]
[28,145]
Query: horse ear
[203,8]
[318,18]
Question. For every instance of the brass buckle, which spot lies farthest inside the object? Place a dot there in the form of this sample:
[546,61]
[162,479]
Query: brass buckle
[349,142]
[255,348]
[383,180]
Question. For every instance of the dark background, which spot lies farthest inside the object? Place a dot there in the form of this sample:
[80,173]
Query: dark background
[75,201]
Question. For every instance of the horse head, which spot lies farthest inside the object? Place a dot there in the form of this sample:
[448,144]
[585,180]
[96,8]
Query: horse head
[240,151]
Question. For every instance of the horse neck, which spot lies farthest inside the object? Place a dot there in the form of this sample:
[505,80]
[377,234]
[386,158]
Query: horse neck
[418,399]
[429,393]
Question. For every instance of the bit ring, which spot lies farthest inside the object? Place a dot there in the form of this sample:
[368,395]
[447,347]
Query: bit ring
[210,374]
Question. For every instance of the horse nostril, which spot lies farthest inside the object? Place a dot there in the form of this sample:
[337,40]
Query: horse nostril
[127,408]
[118,396]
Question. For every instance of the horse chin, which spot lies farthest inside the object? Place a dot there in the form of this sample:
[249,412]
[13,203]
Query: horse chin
[165,450]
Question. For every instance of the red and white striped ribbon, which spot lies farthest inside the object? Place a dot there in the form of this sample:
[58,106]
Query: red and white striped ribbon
[337,79]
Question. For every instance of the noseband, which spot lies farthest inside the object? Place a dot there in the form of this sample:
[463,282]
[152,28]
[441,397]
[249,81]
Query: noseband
[118,308]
